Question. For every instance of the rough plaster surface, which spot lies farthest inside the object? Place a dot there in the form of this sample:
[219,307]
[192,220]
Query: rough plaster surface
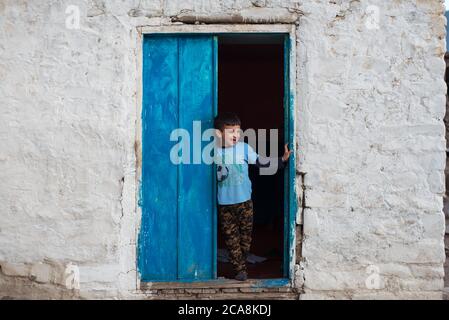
[370,139]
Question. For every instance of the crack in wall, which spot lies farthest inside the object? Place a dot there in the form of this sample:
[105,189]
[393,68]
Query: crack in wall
[122,184]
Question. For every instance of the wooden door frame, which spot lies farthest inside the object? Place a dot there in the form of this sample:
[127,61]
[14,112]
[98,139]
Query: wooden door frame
[290,103]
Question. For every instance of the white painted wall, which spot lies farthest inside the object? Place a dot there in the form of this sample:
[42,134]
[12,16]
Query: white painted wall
[371,99]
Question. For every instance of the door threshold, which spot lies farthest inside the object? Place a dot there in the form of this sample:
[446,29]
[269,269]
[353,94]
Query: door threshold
[220,283]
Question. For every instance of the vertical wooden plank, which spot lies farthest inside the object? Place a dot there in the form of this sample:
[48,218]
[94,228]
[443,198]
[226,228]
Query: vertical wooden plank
[157,238]
[214,168]
[196,205]
[293,203]
[287,204]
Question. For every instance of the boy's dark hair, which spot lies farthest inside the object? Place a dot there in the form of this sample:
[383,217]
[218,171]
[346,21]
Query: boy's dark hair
[226,119]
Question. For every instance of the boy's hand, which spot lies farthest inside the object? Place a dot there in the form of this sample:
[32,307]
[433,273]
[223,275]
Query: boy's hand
[287,153]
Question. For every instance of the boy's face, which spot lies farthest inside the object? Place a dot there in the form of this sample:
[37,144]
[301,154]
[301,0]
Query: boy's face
[230,135]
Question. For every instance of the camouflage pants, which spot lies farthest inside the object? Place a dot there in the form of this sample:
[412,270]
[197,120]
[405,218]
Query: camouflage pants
[236,222]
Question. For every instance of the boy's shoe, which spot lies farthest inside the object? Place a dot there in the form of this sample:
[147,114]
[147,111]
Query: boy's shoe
[241,276]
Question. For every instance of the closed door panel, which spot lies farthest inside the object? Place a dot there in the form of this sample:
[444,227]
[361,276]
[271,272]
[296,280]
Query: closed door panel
[176,240]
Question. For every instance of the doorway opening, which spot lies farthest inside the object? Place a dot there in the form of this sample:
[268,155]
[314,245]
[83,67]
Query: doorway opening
[251,84]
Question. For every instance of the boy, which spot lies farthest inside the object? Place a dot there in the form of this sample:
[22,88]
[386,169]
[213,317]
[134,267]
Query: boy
[235,207]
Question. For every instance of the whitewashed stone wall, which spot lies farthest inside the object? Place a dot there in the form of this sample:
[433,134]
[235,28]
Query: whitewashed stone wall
[371,102]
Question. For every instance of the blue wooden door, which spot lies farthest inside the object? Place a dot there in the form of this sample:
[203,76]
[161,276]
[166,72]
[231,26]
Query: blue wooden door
[177,239]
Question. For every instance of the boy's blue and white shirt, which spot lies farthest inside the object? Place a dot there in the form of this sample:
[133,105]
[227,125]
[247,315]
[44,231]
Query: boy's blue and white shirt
[234,185]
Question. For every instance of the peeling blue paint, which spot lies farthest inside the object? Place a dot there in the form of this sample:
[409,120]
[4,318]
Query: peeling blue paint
[266,283]
[139,200]
[139,240]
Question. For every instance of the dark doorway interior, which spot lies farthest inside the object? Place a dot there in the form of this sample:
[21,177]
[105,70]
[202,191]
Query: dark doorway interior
[251,84]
